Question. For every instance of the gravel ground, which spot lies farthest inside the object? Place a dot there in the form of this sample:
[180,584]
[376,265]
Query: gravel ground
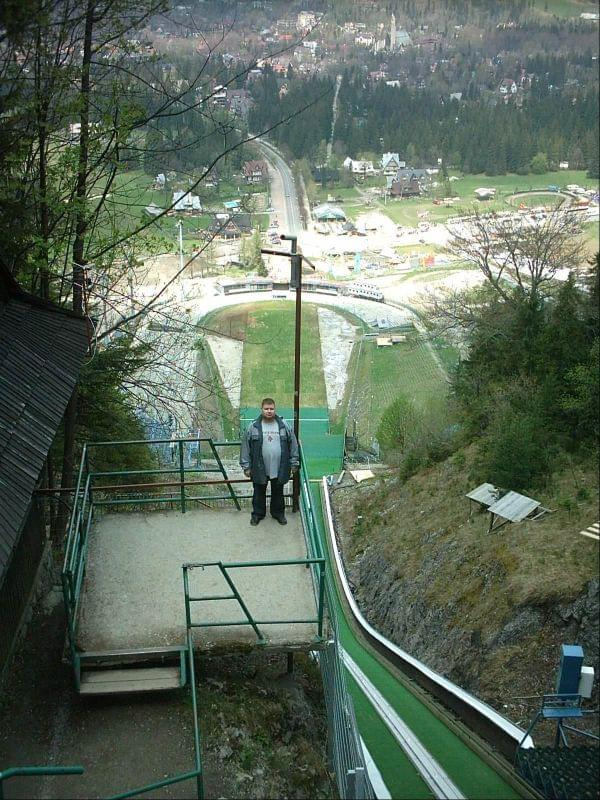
[337,340]
[263,731]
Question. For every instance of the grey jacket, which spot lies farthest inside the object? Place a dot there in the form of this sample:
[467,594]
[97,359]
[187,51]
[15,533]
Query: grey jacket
[251,451]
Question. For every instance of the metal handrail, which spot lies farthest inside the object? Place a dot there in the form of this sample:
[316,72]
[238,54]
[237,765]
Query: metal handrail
[197,742]
[184,776]
[235,595]
[232,443]
[180,469]
[14,772]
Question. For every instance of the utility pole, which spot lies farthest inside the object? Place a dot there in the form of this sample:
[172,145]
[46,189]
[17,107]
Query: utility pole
[296,259]
[180,226]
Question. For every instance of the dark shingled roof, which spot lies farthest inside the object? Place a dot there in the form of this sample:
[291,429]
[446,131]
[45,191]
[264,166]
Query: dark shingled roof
[41,352]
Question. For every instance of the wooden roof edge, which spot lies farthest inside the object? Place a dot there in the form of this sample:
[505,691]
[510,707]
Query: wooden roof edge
[10,289]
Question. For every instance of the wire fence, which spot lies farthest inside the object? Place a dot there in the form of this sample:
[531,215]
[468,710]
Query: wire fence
[345,749]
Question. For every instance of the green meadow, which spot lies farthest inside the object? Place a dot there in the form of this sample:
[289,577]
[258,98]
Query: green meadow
[377,375]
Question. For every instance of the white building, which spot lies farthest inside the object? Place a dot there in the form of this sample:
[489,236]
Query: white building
[186,202]
[357,167]
[390,163]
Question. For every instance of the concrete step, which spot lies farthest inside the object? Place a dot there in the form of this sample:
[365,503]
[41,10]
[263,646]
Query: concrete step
[122,681]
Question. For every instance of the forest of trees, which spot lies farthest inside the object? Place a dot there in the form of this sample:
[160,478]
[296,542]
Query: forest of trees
[422,127]
[527,387]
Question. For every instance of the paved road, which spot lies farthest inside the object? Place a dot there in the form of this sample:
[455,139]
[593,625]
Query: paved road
[283,191]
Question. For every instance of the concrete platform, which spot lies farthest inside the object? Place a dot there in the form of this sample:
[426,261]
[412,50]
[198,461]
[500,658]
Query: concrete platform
[133,590]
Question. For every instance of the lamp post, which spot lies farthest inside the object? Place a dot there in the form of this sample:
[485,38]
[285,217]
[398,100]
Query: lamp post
[296,259]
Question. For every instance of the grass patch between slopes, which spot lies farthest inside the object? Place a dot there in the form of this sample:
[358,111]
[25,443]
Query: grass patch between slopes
[383,373]
[267,329]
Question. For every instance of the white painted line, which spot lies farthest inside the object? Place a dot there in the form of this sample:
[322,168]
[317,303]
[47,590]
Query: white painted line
[429,769]
[502,722]
[591,535]
[377,782]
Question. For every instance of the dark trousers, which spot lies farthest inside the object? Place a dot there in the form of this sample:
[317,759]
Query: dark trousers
[259,499]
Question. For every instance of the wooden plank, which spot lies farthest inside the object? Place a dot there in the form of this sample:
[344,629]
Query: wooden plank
[486,494]
[142,652]
[119,681]
[514,507]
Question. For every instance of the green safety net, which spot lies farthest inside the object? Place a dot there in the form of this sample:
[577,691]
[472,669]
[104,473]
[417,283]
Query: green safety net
[323,451]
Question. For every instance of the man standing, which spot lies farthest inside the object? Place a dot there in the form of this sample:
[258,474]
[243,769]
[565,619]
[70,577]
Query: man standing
[269,453]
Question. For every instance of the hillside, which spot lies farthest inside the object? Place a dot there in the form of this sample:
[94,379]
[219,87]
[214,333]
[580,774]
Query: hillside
[489,610]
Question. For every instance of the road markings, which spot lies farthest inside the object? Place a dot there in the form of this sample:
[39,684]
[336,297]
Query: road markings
[593,531]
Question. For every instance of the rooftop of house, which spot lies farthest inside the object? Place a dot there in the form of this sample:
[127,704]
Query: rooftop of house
[42,348]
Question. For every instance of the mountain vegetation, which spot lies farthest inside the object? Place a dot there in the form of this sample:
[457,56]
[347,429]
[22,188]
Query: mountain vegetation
[423,127]
[87,108]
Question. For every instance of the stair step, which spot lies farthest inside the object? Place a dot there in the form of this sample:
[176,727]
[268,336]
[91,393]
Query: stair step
[120,681]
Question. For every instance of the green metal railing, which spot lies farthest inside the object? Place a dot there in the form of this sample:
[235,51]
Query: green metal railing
[15,772]
[92,492]
[181,471]
[309,518]
[235,595]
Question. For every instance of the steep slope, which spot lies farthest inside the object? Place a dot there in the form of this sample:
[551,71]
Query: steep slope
[489,610]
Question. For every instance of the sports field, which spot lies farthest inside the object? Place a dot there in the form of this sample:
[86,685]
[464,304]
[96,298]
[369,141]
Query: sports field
[377,375]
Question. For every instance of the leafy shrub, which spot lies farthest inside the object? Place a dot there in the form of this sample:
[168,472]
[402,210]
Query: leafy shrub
[399,425]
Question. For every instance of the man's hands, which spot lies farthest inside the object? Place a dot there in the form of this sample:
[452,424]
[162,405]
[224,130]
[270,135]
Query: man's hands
[247,473]
[294,470]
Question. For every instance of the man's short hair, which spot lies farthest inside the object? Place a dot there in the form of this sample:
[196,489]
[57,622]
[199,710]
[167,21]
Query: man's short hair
[267,401]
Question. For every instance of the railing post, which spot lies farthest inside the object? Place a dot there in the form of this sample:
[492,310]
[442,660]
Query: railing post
[321,598]
[217,458]
[182,476]
[244,607]
[186,595]
[88,474]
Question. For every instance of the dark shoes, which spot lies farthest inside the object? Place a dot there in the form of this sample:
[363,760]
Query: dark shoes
[255,520]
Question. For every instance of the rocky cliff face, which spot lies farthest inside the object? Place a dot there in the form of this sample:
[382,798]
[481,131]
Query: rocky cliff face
[489,611]
[530,637]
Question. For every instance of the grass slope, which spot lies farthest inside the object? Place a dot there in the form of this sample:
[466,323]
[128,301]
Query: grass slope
[383,373]
[268,365]
[485,577]
[267,329]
